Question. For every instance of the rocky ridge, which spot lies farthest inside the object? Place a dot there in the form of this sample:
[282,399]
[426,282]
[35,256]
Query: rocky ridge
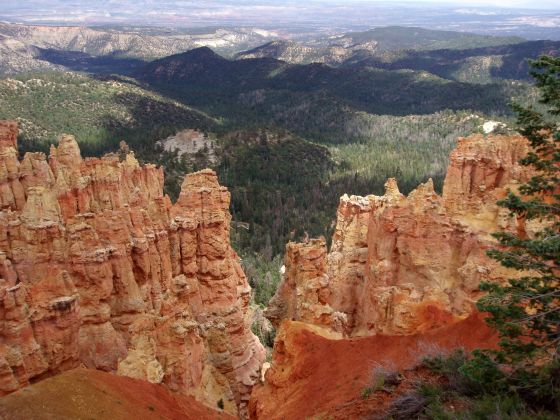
[297,53]
[398,284]
[98,268]
[17,57]
[402,265]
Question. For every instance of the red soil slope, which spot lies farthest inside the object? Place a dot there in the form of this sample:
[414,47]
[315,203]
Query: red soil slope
[313,375]
[90,394]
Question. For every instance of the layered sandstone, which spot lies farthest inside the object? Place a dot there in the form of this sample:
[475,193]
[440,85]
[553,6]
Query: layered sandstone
[402,265]
[98,268]
[399,283]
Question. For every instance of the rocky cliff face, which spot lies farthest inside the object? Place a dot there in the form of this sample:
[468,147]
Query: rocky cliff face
[98,268]
[402,265]
[296,53]
[399,284]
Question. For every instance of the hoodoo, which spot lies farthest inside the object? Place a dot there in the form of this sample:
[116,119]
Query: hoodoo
[99,269]
[402,276]
[401,265]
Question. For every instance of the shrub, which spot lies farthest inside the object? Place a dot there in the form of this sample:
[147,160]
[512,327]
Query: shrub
[407,406]
[449,365]
[367,391]
[384,376]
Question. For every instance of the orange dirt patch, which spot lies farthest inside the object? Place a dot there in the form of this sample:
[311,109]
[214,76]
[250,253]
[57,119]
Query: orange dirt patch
[90,394]
[315,375]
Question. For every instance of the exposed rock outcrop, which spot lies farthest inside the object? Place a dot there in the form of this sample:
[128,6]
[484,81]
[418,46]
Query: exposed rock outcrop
[401,265]
[98,268]
[399,283]
[8,134]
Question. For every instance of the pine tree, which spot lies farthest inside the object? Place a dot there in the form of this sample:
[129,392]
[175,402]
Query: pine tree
[526,310]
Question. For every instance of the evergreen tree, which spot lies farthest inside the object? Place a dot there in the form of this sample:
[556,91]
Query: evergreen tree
[526,310]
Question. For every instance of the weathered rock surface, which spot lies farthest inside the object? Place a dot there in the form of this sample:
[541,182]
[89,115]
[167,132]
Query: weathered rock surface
[8,134]
[399,283]
[401,265]
[98,268]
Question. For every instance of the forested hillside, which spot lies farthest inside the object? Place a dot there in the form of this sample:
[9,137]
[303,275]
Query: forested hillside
[98,112]
[414,38]
[265,85]
[473,65]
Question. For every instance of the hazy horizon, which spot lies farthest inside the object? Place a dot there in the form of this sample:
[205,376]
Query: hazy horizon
[495,17]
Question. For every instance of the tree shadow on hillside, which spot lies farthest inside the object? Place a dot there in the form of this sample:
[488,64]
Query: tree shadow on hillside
[360,89]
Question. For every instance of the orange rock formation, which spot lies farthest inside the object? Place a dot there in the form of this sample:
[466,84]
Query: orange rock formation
[98,268]
[401,265]
[401,278]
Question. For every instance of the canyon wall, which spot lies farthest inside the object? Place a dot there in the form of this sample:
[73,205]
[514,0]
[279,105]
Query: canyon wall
[99,269]
[402,265]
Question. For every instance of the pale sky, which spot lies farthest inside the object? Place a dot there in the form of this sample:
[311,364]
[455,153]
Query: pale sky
[446,14]
[21,4]
[506,4]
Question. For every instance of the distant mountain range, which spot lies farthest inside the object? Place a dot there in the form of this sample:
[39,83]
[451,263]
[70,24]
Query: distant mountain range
[378,41]
[32,48]
[474,65]
[451,55]
[315,88]
[455,56]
